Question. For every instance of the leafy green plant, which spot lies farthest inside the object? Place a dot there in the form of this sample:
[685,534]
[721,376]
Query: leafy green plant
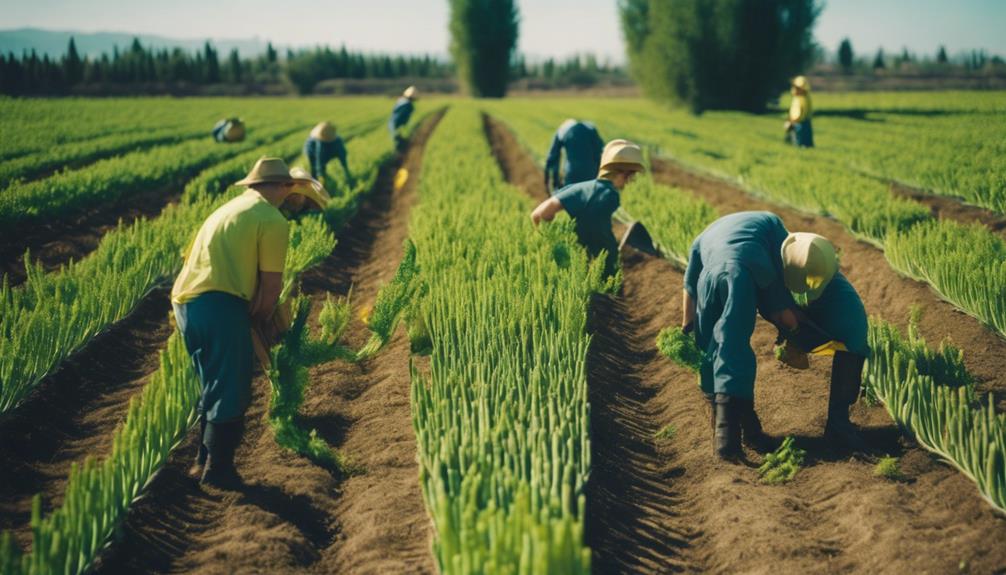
[783,464]
[680,348]
[888,468]
[666,432]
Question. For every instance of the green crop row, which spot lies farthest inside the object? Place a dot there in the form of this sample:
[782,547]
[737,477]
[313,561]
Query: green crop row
[52,315]
[501,415]
[931,396]
[805,179]
[99,493]
[75,153]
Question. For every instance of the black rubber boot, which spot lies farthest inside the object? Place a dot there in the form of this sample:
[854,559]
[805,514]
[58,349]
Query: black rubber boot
[846,380]
[222,440]
[753,436]
[727,432]
[196,471]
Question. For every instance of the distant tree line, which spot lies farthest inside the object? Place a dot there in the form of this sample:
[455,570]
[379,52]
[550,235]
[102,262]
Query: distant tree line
[971,61]
[139,68]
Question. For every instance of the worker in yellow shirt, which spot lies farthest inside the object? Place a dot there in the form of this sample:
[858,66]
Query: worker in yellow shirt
[799,131]
[231,280]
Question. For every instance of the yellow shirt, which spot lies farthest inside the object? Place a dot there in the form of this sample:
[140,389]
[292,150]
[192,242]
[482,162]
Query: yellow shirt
[799,108]
[242,237]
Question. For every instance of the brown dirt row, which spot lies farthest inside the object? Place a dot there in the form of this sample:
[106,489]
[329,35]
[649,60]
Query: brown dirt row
[690,512]
[75,411]
[948,208]
[53,244]
[292,516]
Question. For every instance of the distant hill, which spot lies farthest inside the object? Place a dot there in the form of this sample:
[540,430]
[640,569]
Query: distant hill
[54,42]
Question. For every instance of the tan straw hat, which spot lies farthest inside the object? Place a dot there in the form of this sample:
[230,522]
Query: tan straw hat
[324,131]
[808,263]
[267,170]
[620,156]
[310,188]
[410,93]
[802,83]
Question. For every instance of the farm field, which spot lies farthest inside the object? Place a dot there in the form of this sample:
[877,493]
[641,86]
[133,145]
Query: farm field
[508,410]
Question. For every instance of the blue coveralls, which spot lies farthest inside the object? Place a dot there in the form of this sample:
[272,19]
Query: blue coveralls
[217,333]
[320,153]
[591,205]
[218,130]
[583,147]
[400,115]
[735,270]
[803,134]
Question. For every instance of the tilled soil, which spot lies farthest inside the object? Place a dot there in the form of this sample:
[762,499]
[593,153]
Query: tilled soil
[55,243]
[75,411]
[943,207]
[668,505]
[292,516]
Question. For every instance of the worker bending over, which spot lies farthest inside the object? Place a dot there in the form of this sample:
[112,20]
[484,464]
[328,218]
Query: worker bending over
[748,261]
[322,146]
[798,127]
[231,280]
[583,146]
[229,130]
[592,203]
[401,113]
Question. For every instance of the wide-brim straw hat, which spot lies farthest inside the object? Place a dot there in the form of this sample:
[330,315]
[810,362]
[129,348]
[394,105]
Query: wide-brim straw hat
[324,132]
[267,171]
[621,156]
[310,188]
[410,93]
[809,263]
[802,83]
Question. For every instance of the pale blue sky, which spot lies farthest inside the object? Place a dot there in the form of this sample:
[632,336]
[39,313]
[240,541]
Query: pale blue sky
[549,27]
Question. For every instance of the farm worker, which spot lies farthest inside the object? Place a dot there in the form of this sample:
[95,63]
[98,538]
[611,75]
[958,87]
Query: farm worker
[232,277]
[229,130]
[798,127]
[592,203]
[747,262]
[323,144]
[401,113]
[583,147]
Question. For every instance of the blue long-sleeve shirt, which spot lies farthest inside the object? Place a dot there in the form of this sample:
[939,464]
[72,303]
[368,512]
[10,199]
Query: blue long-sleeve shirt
[400,114]
[320,153]
[583,146]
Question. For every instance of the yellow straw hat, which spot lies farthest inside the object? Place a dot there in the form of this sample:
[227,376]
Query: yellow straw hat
[410,93]
[324,131]
[235,130]
[802,83]
[620,156]
[310,188]
[267,170]
[808,263]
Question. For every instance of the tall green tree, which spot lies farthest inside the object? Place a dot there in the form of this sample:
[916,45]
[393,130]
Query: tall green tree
[718,54]
[845,56]
[878,60]
[941,55]
[483,39]
[73,66]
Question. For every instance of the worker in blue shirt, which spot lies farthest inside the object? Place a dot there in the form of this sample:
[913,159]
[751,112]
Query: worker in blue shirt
[229,130]
[401,113]
[592,203]
[583,146]
[322,145]
[748,262]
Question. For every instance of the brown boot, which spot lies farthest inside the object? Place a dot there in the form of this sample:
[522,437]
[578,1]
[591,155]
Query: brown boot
[727,431]
[222,440]
[846,380]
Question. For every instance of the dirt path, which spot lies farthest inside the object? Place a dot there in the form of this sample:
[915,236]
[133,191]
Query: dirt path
[292,516]
[74,412]
[947,208]
[56,243]
[666,505]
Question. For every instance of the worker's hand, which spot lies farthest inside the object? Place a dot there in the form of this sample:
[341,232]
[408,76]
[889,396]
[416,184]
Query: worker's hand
[546,211]
[787,126]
